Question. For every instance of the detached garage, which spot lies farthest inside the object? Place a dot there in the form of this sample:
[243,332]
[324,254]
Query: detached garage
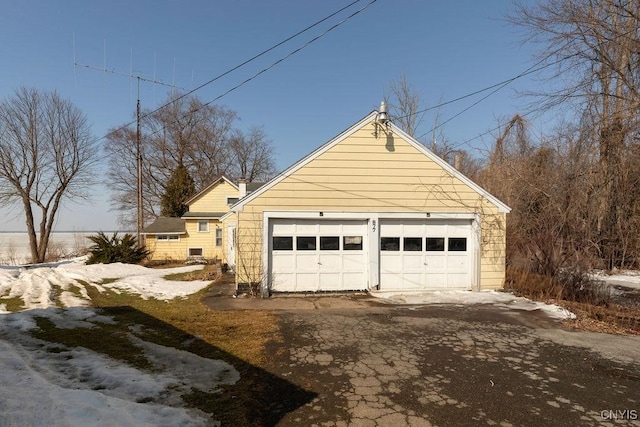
[370,210]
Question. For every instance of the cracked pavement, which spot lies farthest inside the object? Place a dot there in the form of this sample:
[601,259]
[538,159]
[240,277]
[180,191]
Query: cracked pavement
[454,365]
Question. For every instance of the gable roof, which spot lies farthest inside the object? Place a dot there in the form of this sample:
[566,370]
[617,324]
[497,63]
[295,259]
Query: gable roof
[209,187]
[502,207]
[166,225]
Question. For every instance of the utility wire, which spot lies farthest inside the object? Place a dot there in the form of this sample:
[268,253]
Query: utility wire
[264,70]
[290,54]
[242,64]
[525,114]
[498,86]
[162,128]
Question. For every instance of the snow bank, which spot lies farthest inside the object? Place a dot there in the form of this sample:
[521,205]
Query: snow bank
[468,297]
[38,286]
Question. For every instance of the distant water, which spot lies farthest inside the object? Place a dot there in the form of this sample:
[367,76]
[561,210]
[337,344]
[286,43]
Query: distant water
[14,246]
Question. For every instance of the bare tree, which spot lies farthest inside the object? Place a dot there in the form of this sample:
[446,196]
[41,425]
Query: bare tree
[46,156]
[594,46]
[253,155]
[405,105]
[524,176]
[200,137]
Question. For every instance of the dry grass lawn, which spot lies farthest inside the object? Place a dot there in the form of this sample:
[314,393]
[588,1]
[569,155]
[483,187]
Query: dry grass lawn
[237,337]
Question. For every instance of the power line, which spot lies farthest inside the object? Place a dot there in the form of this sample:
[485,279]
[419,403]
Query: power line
[140,211]
[290,54]
[498,86]
[525,114]
[138,117]
[254,76]
[242,64]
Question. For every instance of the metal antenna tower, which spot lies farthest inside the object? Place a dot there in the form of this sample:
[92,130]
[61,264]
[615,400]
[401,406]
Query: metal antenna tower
[131,75]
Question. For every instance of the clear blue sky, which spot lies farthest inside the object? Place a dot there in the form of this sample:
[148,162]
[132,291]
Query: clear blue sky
[446,50]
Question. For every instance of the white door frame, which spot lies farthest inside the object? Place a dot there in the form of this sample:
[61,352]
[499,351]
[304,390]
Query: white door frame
[231,245]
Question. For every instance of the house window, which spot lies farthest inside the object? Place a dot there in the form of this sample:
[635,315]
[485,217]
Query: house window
[203,226]
[167,237]
[196,252]
[232,200]
[218,237]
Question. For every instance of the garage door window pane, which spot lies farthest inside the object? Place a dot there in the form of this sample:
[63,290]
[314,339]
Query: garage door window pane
[457,244]
[389,243]
[435,244]
[413,244]
[352,243]
[282,243]
[329,243]
[306,243]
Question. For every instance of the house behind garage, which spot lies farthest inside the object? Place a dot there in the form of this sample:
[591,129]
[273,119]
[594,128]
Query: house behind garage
[372,209]
[201,233]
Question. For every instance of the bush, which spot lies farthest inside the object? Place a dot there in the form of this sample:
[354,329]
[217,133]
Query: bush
[570,284]
[578,286]
[115,249]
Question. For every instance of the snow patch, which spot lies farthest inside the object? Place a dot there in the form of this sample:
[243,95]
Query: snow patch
[49,384]
[628,279]
[469,297]
[41,286]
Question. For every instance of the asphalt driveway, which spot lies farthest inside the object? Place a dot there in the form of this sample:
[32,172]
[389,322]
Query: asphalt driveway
[371,364]
[451,365]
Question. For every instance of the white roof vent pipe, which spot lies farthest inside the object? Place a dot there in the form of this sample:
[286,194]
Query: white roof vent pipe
[383,116]
[382,123]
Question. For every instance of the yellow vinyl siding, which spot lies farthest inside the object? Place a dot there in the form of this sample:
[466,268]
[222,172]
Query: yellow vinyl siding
[425,185]
[204,240]
[493,255]
[249,248]
[386,174]
[214,200]
[167,250]
[179,250]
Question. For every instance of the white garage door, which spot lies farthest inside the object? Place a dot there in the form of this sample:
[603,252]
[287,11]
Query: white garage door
[425,254]
[318,255]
